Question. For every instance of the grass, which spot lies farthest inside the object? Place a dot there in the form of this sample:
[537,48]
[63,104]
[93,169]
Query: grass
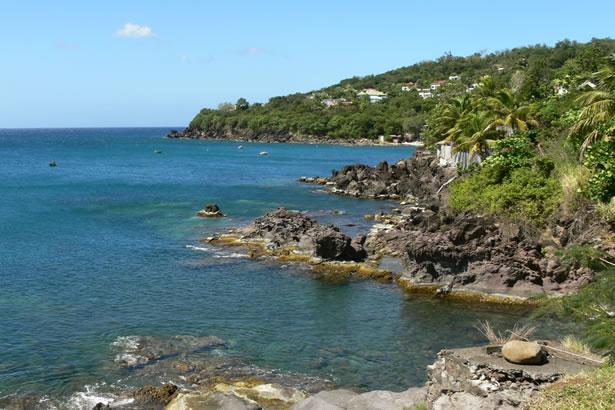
[574,345]
[497,338]
[594,390]
[607,211]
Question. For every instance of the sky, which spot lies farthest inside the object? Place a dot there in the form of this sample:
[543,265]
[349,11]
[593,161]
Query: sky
[157,63]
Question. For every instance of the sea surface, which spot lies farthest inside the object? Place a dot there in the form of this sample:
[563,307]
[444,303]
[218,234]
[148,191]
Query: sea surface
[106,245]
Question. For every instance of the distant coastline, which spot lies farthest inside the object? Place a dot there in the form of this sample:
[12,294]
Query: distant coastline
[283,138]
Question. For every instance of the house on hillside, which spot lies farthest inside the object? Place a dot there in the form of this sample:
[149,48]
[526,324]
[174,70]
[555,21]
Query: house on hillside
[437,84]
[425,93]
[587,85]
[561,90]
[332,102]
[373,94]
[454,77]
[448,157]
[408,86]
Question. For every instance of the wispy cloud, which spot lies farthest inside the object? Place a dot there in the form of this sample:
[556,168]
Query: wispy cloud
[184,58]
[131,30]
[255,51]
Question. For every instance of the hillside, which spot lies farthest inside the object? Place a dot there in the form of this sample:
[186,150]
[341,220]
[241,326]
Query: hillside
[399,102]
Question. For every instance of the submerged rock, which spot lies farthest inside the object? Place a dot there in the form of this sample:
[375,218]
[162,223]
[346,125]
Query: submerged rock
[154,395]
[210,211]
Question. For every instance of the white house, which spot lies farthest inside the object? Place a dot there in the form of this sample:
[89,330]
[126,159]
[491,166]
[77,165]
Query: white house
[448,157]
[454,77]
[373,94]
[408,86]
[332,102]
[587,84]
[437,84]
[425,93]
[561,90]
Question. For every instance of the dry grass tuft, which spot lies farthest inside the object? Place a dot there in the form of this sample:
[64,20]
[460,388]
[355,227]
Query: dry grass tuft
[518,332]
[607,210]
[574,345]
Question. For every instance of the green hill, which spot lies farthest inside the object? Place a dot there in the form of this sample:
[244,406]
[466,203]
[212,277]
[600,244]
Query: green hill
[342,111]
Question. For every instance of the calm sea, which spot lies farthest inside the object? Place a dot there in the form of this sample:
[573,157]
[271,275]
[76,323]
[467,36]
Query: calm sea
[106,245]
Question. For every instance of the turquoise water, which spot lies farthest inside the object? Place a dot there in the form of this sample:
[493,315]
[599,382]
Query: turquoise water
[102,246]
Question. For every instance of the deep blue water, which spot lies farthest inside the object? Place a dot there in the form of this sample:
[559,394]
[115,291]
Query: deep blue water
[98,247]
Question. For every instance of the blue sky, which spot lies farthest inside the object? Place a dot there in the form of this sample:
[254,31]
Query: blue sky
[156,63]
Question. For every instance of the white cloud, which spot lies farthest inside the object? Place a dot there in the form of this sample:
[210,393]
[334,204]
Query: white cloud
[255,51]
[131,30]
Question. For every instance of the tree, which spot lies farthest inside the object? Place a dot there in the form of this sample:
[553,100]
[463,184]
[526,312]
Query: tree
[595,121]
[509,114]
[242,104]
[474,134]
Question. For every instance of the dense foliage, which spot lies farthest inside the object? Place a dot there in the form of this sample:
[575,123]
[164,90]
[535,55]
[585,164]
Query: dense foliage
[530,72]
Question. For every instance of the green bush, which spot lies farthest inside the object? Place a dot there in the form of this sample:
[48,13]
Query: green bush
[526,193]
[600,160]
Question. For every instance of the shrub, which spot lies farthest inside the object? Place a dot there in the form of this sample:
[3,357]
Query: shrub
[600,160]
[526,193]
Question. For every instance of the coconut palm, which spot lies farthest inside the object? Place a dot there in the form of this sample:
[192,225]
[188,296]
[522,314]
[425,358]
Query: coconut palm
[598,108]
[473,134]
[509,114]
[451,113]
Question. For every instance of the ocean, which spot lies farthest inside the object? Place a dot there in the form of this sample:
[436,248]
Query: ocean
[107,245]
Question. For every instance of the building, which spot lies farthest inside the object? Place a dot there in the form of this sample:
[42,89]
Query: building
[461,159]
[332,102]
[454,77]
[408,86]
[437,84]
[373,94]
[425,93]
[586,85]
[561,90]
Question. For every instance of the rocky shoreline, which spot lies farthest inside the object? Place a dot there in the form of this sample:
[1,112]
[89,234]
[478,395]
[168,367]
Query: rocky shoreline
[433,249]
[249,136]
[194,373]
[453,253]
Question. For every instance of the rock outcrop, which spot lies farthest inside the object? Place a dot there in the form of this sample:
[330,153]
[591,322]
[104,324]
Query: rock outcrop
[480,378]
[452,251]
[283,229]
[418,177]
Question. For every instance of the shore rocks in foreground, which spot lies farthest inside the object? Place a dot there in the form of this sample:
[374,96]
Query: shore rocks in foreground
[283,229]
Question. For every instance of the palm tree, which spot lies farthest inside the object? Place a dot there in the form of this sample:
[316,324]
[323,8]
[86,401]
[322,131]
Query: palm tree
[509,114]
[598,108]
[472,134]
[451,113]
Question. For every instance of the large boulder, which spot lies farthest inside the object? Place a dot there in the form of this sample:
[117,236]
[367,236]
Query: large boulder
[520,352]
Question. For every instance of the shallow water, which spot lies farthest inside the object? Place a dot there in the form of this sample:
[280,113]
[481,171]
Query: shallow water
[106,245]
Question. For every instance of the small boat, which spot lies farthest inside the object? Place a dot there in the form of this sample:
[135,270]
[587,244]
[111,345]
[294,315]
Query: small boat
[53,164]
[240,147]
[158,151]
[263,153]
